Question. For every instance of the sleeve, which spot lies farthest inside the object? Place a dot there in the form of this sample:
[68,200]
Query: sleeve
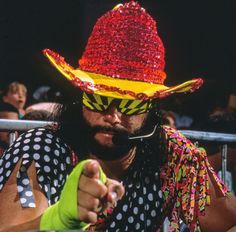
[186,181]
[49,155]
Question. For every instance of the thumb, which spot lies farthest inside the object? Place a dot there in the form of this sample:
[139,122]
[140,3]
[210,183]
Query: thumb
[91,169]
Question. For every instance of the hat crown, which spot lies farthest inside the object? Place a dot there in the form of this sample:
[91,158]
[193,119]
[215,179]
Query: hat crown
[125,44]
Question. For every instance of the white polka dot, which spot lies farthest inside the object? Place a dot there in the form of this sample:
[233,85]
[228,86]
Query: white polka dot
[56,198]
[63,150]
[20,188]
[28,135]
[144,190]
[46,158]
[62,167]
[32,205]
[46,169]
[46,188]
[138,185]
[156,175]
[38,133]
[135,174]
[47,148]
[8,173]
[140,200]
[19,139]
[25,162]
[25,181]
[119,216]
[142,217]
[134,194]
[150,197]
[1,185]
[25,148]
[146,207]
[68,160]
[37,165]
[1,161]
[7,156]
[148,222]
[8,164]
[60,177]
[26,141]
[58,146]
[41,129]
[16,151]
[37,139]
[1,178]
[154,187]
[137,226]
[53,190]
[56,152]
[153,213]
[36,156]
[41,178]
[1,170]
[28,193]
[17,144]
[113,224]
[49,136]
[135,210]
[55,171]
[160,193]
[48,141]
[23,200]
[130,219]
[36,147]
[55,183]
[55,161]
[26,155]
[157,204]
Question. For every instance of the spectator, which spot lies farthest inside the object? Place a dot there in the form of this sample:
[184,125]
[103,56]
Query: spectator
[7,111]
[15,94]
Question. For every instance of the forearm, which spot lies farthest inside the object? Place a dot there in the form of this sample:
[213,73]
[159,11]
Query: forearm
[233,229]
[31,225]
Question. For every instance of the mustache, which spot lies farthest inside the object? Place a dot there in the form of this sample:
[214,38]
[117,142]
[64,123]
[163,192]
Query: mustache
[115,130]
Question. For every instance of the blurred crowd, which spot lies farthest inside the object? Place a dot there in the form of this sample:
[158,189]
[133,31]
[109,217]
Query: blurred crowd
[14,104]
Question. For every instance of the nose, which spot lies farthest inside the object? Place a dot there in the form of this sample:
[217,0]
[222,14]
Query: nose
[112,115]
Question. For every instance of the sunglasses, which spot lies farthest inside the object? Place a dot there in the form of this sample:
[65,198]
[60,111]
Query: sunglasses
[127,107]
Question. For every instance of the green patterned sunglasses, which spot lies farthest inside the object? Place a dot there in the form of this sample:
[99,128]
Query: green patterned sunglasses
[127,107]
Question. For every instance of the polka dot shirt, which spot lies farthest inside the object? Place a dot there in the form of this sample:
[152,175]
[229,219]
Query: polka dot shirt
[140,208]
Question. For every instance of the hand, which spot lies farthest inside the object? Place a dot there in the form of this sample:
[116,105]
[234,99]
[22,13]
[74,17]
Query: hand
[93,195]
[86,193]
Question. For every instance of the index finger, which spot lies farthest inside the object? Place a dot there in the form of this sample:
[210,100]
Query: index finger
[91,169]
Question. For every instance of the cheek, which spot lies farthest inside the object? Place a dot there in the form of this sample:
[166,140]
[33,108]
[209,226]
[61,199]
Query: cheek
[91,117]
[135,122]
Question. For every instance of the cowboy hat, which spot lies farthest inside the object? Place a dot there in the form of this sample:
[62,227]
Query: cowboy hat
[124,58]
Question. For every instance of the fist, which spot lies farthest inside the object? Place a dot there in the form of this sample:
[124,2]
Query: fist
[93,196]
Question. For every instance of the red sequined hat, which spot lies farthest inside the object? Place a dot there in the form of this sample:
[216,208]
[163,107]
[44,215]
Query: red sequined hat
[124,58]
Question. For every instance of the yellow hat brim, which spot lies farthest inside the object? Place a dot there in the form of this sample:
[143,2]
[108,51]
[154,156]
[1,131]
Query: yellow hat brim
[115,87]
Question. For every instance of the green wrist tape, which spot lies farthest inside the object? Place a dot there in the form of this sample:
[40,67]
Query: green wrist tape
[64,214]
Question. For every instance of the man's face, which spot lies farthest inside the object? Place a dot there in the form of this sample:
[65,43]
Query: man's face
[112,122]
[104,125]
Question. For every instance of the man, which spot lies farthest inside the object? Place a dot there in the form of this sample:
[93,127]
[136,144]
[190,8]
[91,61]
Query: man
[131,172]
[7,111]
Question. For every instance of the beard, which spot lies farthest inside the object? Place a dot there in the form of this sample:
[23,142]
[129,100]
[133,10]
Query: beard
[101,151]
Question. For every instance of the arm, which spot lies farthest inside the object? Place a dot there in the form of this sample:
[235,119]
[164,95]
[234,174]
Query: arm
[220,215]
[72,210]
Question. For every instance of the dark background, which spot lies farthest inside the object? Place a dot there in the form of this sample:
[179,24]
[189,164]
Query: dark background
[199,38]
